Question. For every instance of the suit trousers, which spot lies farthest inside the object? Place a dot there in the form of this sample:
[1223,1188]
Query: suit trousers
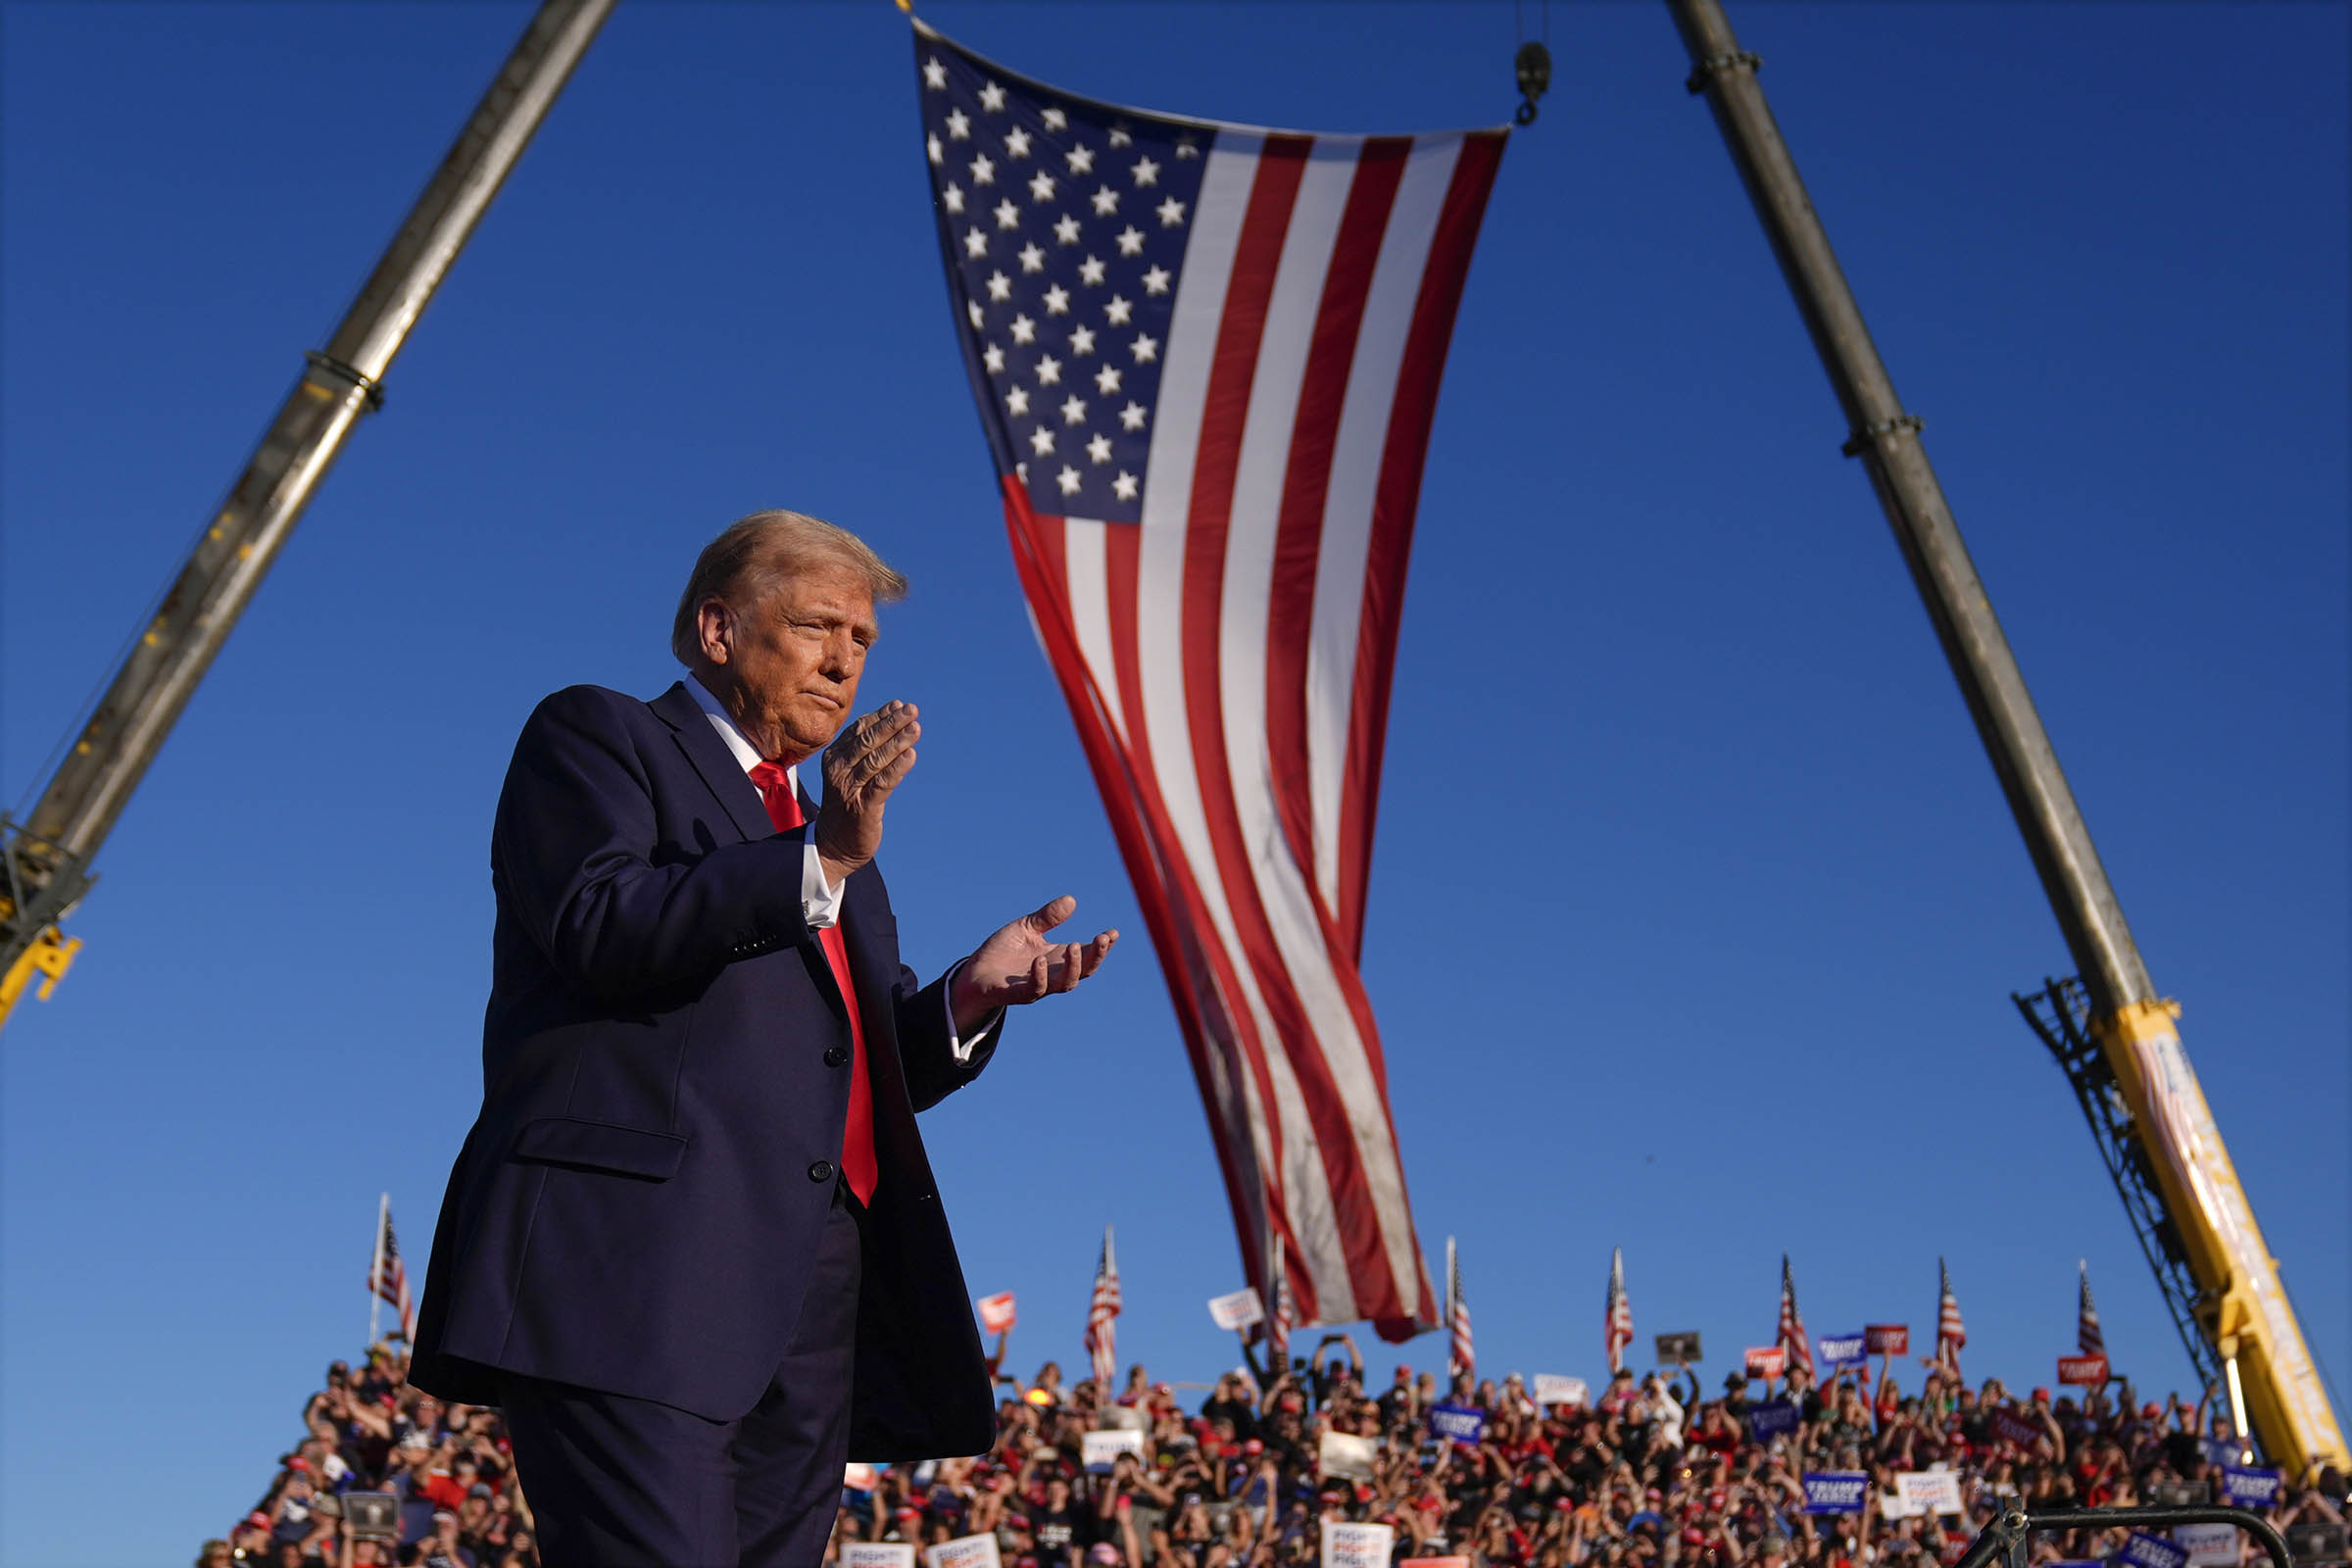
[624,1483]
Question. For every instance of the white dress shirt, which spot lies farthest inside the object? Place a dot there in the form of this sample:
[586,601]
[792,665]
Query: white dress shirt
[821,898]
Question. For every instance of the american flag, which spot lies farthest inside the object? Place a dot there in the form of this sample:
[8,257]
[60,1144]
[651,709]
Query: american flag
[1793,1324]
[1950,1334]
[1617,1320]
[1278,1319]
[1102,1319]
[2089,1340]
[1464,1357]
[388,1276]
[1205,358]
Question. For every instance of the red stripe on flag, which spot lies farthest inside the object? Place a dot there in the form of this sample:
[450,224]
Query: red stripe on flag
[1225,415]
[1138,816]
[1399,491]
[1298,540]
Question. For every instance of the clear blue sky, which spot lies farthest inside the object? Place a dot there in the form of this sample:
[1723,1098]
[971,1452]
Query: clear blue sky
[1695,910]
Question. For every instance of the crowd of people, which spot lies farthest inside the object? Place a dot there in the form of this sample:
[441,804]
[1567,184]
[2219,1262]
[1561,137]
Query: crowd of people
[1649,1472]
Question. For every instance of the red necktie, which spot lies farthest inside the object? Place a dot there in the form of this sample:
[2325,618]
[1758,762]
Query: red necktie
[858,1133]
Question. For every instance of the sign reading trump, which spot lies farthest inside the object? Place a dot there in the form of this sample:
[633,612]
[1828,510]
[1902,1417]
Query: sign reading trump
[876,1554]
[1836,1491]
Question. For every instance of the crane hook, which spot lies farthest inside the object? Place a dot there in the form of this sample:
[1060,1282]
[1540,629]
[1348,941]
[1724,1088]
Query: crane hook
[1534,68]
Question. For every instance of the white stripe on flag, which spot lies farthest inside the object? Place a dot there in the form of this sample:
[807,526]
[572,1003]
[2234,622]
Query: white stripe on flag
[1085,564]
[1355,481]
[1193,334]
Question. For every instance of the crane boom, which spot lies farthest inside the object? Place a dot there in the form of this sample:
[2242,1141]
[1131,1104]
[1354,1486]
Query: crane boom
[45,859]
[2241,1306]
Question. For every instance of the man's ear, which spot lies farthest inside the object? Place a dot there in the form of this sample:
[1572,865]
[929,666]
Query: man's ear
[715,626]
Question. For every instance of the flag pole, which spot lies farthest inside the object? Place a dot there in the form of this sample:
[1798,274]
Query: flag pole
[375,1268]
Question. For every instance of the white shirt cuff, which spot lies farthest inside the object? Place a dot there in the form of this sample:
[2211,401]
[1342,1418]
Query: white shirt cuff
[820,900]
[962,1048]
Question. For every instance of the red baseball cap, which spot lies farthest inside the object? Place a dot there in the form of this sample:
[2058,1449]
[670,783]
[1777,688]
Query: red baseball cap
[2041,1395]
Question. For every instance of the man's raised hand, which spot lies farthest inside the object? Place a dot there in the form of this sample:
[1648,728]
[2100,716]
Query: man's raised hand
[864,765]
[1017,964]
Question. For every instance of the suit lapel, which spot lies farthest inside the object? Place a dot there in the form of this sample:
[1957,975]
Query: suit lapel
[711,757]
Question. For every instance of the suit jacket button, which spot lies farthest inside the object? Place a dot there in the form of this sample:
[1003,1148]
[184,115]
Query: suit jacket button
[821,1171]
[835,1056]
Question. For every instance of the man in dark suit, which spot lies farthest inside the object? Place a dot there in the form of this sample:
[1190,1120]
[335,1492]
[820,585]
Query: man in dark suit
[692,1246]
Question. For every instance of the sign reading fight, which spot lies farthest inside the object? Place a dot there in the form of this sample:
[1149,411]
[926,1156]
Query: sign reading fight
[1237,1311]
[1935,1491]
[1766,1361]
[971,1552]
[1771,1418]
[2246,1487]
[877,1554]
[1465,1424]
[1351,1546]
[996,1312]
[2143,1551]
[1552,1389]
[1888,1339]
[2083,1371]
[1841,1351]
[1836,1490]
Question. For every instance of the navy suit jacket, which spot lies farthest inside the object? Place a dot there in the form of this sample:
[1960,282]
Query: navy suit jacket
[664,1083]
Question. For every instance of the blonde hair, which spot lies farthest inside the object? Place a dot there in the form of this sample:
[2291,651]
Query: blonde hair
[746,563]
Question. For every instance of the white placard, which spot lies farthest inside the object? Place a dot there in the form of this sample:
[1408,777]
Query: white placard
[969,1551]
[2207,1545]
[996,1312]
[1935,1491]
[1124,1417]
[1102,1450]
[877,1554]
[1237,1311]
[1552,1389]
[1348,1545]
[1895,1505]
[857,1477]
[1344,1455]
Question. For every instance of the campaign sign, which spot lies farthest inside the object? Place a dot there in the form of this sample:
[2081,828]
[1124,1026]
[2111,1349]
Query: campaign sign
[1353,1545]
[2143,1551]
[2315,1542]
[1465,1424]
[1888,1339]
[1553,1389]
[1836,1490]
[877,1554]
[2083,1371]
[2016,1429]
[1839,1351]
[1770,1419]
[969,1551]
[2245,1487]
[1237,1311]
[1100,1451]
[1677,1350]
[2207,1545]
[996,1312]
[373,1515]
[1937,1491]
[1349,1456]
[857,1477]
[1895,1505]
[1766,1361]
[1435,1562]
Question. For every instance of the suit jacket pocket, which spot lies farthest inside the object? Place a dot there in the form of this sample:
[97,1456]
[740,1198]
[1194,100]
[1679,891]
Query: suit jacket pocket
[600,1146]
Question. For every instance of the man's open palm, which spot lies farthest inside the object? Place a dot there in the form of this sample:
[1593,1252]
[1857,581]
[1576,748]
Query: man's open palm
[1017,964]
